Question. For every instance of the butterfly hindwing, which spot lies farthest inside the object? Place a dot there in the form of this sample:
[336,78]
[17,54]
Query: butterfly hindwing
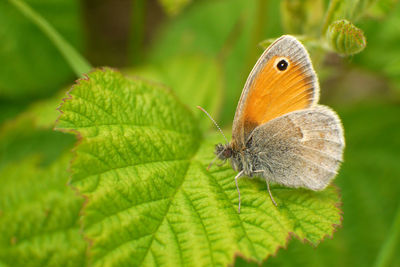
[300,149]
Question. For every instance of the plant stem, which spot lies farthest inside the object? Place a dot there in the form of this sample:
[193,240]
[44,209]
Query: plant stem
[388,249]
[329,15]
[73,58]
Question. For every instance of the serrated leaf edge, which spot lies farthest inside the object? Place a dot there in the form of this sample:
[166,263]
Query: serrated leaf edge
[90,242]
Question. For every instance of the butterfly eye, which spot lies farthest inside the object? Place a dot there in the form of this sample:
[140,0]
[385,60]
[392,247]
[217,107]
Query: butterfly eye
[282,65]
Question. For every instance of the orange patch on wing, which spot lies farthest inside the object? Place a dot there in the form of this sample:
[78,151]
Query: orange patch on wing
[274,93]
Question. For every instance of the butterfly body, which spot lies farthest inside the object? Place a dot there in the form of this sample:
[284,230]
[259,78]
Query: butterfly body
[279,132]
[288,151]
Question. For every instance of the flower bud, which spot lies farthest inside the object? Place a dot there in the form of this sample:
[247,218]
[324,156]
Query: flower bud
[344,38]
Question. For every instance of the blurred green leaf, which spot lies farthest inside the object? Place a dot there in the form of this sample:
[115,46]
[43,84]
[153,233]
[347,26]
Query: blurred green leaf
[388,249]
[382,8]
[191,32]
[30,134]
[39,216]
[10,110]
[345,38]
[196,80]
[173,7]
[382,54]
[33,67]
[302,16]
[352,10]
[38,211]
[76,62]
[43,114]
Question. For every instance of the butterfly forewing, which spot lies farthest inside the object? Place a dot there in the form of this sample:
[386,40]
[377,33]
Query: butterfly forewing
[270,93]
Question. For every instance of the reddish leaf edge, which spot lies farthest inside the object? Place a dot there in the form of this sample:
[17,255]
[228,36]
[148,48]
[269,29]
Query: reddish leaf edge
[291,235]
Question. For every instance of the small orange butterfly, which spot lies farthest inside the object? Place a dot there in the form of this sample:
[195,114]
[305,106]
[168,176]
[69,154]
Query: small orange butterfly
[279,132]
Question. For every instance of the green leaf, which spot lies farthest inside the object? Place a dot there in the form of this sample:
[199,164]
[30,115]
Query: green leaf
[39,216]
[387,253]
[173,7]
[302,17]
[141,163]
[34,66]
[38,211]
[381,9]
[9,110]
[71,56]
[352,10]
[383,55]
[30,134]
[191,34]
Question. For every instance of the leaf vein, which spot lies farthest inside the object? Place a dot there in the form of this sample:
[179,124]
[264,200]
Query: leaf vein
[203,226]
[237,216]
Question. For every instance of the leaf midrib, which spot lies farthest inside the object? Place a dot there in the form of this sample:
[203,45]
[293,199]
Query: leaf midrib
[129,125]
[121,167]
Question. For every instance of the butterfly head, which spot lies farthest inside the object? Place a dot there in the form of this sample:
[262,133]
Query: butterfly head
[224,152]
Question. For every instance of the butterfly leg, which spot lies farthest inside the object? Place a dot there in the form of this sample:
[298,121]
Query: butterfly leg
[237,187]
[269,191]
[222,163]
[270,195]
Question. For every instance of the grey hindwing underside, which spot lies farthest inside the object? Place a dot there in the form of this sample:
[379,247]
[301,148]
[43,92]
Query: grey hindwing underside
[300,149]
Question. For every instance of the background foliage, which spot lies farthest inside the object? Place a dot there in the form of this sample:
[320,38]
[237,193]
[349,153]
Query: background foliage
[202,50]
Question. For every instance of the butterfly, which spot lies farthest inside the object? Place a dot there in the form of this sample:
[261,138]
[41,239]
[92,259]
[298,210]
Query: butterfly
[280,133]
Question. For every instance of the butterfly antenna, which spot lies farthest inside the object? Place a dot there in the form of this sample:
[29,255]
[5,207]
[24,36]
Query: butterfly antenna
[202,109]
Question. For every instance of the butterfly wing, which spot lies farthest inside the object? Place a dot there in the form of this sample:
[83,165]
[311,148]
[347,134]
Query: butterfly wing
[300,149]
[270,92]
